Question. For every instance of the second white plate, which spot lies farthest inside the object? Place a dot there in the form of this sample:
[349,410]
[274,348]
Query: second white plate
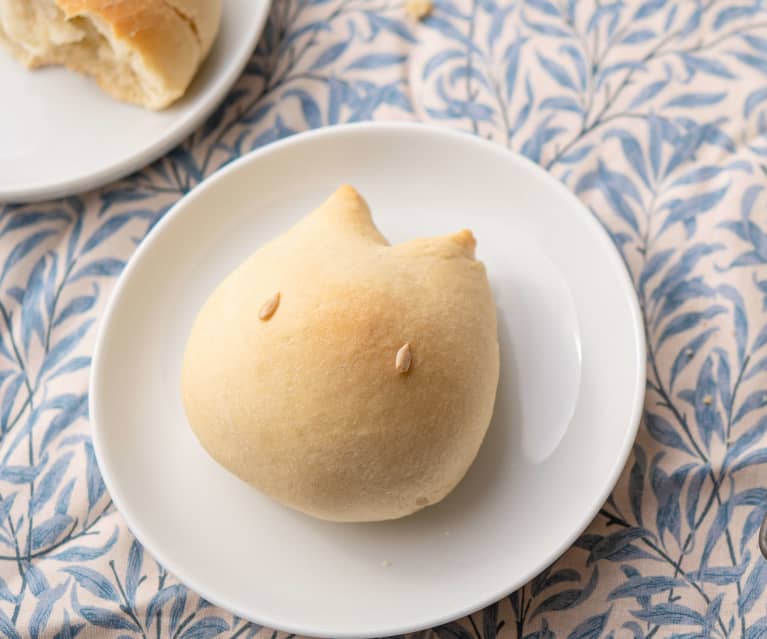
[60,134]
[569,400]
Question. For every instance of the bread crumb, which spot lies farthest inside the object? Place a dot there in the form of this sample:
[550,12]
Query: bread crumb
[708,400]
[385,563]
[689,352]
[418,9]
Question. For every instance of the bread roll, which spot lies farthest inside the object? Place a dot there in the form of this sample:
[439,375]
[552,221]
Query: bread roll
[140,51]
[346,378]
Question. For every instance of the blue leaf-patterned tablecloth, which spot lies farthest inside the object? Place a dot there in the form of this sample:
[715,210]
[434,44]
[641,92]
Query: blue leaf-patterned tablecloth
[653,111]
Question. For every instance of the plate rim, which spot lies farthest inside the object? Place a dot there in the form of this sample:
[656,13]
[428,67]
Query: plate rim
[179,131]
[580,209]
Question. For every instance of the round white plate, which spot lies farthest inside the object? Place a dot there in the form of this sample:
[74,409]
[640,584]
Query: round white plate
[60,134]
[569,400]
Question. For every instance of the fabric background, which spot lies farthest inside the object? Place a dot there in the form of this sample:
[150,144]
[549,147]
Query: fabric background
[654,112]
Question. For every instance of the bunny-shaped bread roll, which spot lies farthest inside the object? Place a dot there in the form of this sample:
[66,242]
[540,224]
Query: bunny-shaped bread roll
[344,377]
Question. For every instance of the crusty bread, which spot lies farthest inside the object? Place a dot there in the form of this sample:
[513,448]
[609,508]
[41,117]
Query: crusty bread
[303,394]
[141,51]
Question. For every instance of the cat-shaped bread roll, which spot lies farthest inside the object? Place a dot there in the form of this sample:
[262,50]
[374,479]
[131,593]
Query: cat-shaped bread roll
[344,377]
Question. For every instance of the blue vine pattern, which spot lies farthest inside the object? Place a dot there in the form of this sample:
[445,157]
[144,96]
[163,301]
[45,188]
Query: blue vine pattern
[653,111]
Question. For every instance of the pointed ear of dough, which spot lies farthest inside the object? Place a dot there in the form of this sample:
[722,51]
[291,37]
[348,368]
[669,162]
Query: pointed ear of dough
[347,211]
[461,244]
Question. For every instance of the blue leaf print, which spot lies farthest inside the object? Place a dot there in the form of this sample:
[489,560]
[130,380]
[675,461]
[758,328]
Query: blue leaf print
[758,63]
[591,628]
[104,618]
[754,99]
[205,628]
[439,59]
[176,611]
[545,29]
[48,532]
[544,6]
[381,22]
[19,474]
[23,248]
[750,526]
[64,347]
[512,65]
[664,433]
[106,267]
[716,530]
[728,14]
[632,151]
[578,62]
[648,8]
[568,598]
[5,506]
[644,587]
[721,575]
[93,476]
[656,142]
[636,483]
[452,631]
[648,93]
[693,22]
[741,322]
[753,401]
[159,600]
[49,483]
[665,614]
[689,100]
[93,582]
[330,55]
[687,321]
[83,553]
[546,579]
[755,584]
[309,107]
[71,408]
[497,25]
[31,317]
[602,11]
[5,593]
[614,546]
[76,306]
[6,627]
[638,37]
[693,493]
[62,503]
[682,210]
[561,103]
[707,415]
[612,69]
[757,630]
[711,67]
[490,622]
[577,155]
[377,60]
[133,574]
[558,73]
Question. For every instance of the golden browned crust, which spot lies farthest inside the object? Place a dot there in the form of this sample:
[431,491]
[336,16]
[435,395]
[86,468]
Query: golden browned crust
[312,405]
[171,37]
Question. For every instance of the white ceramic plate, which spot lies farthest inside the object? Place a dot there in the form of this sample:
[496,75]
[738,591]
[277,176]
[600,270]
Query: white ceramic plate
[570,395]
[60,134]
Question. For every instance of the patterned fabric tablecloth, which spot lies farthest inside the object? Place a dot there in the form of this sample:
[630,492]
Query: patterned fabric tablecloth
[653,111]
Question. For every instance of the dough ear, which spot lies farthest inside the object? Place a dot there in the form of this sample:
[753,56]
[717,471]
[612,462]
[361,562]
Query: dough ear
[349,213]
[461,244]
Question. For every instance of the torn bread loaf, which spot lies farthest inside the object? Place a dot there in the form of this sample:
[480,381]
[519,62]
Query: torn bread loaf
[344,377]
[140,51]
